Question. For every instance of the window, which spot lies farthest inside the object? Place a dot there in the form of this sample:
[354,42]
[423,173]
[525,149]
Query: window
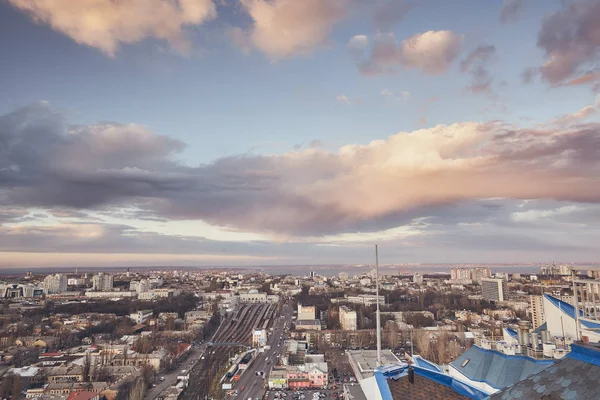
[464,364]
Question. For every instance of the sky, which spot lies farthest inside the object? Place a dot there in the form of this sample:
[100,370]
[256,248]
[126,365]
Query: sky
[298,132]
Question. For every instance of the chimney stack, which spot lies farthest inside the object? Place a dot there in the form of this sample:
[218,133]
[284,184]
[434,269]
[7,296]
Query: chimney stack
[524,333]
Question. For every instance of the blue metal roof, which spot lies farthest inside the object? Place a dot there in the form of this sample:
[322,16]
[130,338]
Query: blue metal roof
[426,364]
[497,369]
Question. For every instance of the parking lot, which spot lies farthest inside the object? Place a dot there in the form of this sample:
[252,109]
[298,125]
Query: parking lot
[308,394]
[342,372]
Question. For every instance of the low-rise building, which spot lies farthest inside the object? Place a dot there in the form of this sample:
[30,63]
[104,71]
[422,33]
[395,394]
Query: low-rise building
[311,324]
[141,316]
[158,293]
[259,338]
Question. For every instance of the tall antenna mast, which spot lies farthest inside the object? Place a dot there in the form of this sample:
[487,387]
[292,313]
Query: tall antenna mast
[377,302]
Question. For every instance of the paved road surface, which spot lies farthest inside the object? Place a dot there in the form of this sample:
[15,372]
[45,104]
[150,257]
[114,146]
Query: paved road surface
[253,385]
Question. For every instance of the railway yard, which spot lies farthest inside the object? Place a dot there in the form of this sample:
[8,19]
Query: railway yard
[233,336]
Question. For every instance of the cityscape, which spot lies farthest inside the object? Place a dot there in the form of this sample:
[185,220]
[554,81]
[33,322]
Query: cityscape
[473,333]
[299,199]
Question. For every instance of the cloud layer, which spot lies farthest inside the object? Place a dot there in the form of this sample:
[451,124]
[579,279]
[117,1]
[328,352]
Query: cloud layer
[105,24]
[285,28]
[431,52]
[476,65]
[43,163]
[570,39]
[511,10]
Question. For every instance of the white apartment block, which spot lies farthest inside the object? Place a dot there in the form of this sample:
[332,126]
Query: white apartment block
[102,282]
[55,283]
[141,316]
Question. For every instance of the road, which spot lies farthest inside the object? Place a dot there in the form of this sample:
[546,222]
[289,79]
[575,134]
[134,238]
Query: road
[252,384]
[171,378]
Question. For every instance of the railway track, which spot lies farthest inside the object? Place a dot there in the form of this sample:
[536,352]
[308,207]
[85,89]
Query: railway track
[237,328]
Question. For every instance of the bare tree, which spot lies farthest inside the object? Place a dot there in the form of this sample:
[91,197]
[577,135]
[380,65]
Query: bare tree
[441,348]
[422,343]
[87,366]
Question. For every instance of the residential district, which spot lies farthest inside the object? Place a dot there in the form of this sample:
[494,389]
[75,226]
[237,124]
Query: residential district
[224,334]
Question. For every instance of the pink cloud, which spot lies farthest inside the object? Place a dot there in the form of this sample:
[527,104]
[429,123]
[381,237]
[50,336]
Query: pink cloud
[286,28]
[431,52]
[105,24]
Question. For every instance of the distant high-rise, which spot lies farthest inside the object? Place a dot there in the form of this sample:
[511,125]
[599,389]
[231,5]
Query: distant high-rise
[460,274]
[556,270]
[347,319]
[102,282]
[478,274]
[312,274]
[418,278]
[493,289]
[536,308]
[56,283]
[343,276]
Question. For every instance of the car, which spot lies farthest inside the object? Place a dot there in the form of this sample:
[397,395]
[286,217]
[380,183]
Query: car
[162,378]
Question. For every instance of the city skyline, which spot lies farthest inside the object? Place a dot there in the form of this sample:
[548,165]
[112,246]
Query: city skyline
[287,132]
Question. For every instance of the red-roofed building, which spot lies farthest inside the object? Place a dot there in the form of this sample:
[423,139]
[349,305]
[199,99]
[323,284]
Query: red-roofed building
[183,348]
[83,396]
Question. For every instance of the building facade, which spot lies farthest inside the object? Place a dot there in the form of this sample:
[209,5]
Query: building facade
[259,338]
[536,309]
[55,283]
[348,319]
[102,282]
[306,312]
[493,289]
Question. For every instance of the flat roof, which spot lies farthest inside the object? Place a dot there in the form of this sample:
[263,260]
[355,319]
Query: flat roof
[364,362]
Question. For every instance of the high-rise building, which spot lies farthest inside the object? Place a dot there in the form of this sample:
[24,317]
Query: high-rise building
[306,312]
[343,276]
[493,289]
[312,274]
[55,283]
[102,282]
[477,274]
[460,274]
[141,286]
[418,278]
[536,308]
[556,270]
[347,319]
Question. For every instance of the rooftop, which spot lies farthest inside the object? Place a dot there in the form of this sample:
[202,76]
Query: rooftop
[576,376]
[495,368]
[364,362]
[422,389]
